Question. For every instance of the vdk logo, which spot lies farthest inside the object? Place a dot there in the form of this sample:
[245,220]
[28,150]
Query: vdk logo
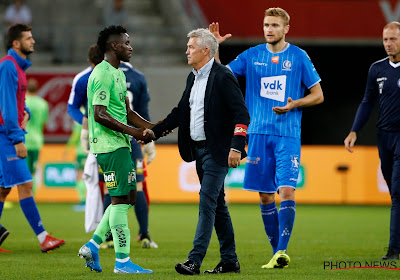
[273,87]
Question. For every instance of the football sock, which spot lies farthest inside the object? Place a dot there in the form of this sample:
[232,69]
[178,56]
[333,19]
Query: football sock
[287,213]
[100,233]
[142,212]
[106,200]
[1,207]
[31,213]
[269,215]
[120,230]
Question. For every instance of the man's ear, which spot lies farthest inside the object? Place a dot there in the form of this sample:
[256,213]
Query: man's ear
[16,44]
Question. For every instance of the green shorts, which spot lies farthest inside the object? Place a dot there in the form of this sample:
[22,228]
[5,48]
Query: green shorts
[32,160]
[119,171]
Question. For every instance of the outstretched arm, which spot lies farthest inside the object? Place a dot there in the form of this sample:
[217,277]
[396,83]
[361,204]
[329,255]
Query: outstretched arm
[102,117]
[214,29]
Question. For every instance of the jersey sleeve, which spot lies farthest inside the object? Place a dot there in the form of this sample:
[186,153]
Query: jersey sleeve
[101,89]
[77,99]
[310,76]
[238,66]
[367,104]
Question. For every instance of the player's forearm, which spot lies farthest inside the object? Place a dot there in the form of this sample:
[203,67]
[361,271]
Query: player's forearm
[136,120]
[314,98]
[108,121]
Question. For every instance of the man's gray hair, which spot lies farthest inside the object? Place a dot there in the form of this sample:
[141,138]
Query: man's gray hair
[205,39]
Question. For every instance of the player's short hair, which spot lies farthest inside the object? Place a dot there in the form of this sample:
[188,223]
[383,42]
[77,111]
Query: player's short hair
[104,36]
[278,12]
[205,39]
[15,33]
[392,25]
[95,55]
[32,85]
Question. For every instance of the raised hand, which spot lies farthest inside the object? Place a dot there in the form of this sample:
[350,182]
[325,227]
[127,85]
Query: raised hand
[214,29]
[283,110]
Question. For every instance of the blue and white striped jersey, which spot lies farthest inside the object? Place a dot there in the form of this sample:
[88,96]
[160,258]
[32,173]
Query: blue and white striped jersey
[270,79]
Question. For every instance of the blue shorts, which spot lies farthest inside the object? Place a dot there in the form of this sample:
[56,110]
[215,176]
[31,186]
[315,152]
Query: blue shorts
[272,162]
[13,170]
[137,158]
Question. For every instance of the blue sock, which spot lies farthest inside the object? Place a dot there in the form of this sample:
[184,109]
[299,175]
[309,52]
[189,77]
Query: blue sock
[107,201]
[1,208]
[142,212]
[31,213]
[287,212]
[269,215]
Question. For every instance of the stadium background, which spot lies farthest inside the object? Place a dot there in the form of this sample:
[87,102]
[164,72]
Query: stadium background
[342,44]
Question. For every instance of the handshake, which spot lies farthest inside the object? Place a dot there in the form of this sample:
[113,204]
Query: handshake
[146,135]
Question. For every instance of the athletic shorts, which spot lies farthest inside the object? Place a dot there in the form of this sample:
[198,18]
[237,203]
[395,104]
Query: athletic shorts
[272,162]
[13,170]
[119,171]
[32,160]
[137,158]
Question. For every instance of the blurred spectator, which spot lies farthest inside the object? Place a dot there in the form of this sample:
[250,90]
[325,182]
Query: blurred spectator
[18,13]
[115,13]
[39,114]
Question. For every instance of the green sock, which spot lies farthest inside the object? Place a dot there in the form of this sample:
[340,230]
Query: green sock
[81,188]
[120,230]
[100,233]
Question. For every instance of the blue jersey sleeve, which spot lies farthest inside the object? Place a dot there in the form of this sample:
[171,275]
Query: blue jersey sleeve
[77,99]
[142,102]
[367,104]
[238,66]
[8,101]
[310,76]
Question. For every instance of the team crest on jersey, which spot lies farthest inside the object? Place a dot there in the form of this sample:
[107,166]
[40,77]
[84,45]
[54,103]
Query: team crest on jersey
[287,65]
[381,82]
[275,59]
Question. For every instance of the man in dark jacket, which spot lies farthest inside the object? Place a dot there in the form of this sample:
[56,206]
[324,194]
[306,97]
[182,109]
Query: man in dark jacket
[212,119]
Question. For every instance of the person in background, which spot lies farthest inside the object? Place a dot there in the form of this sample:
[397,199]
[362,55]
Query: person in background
[34,138]
[115,13]
[383,85]
[13,119]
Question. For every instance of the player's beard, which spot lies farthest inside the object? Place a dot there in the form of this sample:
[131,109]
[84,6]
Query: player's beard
[25,51]
[274,42]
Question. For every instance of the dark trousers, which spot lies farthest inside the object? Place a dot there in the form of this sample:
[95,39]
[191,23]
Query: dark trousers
[389,154]
[213,211]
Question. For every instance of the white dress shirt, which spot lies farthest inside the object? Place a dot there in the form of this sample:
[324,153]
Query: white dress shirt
[196,101]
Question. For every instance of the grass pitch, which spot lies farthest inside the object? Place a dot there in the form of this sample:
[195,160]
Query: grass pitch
[322,234]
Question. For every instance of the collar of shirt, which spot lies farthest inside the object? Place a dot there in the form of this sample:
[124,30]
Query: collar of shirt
[205,70]
[23,63]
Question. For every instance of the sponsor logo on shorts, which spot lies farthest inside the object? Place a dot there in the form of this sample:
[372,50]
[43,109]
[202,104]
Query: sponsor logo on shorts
[110,179]
[132,176]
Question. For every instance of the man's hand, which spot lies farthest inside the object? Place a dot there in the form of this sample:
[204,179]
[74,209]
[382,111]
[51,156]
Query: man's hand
[85,141]
[234,159]
[283,110]
[149,150]
[21,150]
[350,140]
[214,29]
[25,120]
